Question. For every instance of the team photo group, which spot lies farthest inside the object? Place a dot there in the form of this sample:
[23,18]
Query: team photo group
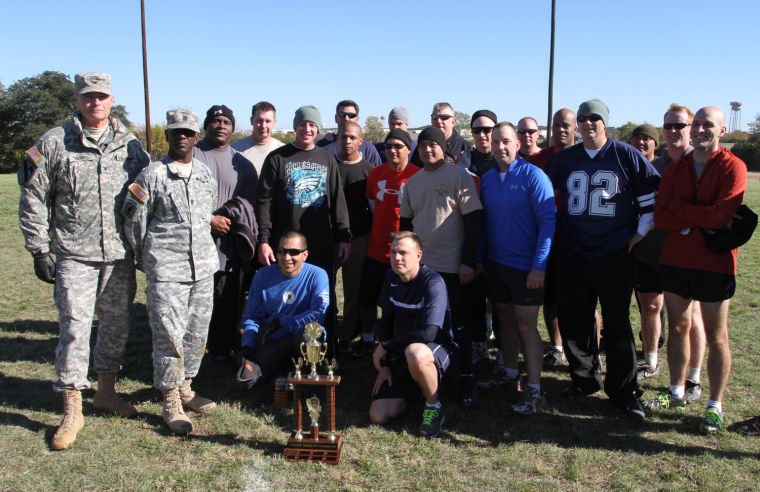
[459,244]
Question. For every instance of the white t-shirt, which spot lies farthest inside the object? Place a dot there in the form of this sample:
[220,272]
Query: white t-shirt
[256,153]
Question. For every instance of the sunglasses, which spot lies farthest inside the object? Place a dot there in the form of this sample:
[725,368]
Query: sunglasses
[676,126]
[396,146]
[443,117]
[486,130]
[589,117]
[290,251]
[344,114]
[529,131]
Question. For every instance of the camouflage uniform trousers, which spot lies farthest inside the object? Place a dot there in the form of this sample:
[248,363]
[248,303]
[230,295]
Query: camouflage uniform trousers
[179,314]
[83,288]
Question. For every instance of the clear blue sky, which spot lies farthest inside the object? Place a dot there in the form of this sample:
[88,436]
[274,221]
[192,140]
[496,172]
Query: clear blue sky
[636,56]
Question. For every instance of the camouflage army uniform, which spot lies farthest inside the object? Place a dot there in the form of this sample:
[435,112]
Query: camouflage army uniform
[167,221]
[71,191]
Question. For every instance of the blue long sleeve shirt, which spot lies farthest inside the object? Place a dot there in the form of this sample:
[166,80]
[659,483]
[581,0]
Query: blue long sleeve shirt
[519,216]
[293,301]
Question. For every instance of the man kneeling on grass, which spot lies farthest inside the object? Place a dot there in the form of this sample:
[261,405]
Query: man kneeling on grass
[416,340]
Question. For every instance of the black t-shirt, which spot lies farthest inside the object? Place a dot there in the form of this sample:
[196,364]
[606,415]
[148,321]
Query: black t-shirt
[354,177]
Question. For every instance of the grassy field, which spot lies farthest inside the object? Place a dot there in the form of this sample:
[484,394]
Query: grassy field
[576,445]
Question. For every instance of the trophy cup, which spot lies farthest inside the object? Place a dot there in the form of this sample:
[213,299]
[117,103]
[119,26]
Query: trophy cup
[312,349]
[314,446]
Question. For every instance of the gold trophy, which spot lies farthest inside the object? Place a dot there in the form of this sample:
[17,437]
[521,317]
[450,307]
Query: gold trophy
[312,349]
[313,446]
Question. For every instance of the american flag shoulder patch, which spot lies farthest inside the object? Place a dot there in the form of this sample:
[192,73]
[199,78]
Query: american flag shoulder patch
[138,191]
[34,154]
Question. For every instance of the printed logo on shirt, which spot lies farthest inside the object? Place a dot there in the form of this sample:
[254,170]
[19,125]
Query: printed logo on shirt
[382,190]
[306,183]
[288,297]
[442,190]
[325,297]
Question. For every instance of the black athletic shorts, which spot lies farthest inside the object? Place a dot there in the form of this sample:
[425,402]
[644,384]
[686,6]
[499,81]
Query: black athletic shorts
[699,285]
[646,279]
[402,384]
[507,284]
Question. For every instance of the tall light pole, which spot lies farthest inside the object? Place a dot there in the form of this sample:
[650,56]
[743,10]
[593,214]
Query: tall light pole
[551,81]
[145,80]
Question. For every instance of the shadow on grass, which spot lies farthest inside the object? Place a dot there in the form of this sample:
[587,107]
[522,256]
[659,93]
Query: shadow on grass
[23,326]
[21,348]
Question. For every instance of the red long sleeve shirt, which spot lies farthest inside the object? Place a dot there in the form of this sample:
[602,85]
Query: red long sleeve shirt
[685,201]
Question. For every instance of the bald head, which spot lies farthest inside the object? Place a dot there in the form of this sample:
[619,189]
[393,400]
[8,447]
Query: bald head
[708,126]
[564,127]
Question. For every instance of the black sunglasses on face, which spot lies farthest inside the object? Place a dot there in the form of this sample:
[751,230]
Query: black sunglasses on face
[289,251]
[589,117]
[443,117]
[482,129]
[677,126]
[529,131]
[344,114]
[396,146]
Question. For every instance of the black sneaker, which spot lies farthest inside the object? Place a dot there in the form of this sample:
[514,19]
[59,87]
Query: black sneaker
[665,401]
[632,408]
[693,391]
[361,348]
[432,421]
[572,392]
[645,371]
[469,391]
[553,358]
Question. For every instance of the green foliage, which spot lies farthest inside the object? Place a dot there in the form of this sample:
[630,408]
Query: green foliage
[121,112]
[749,153]
[463,121]
[373,129]
[737,136]
[29,108]
[159,147]
[284,137]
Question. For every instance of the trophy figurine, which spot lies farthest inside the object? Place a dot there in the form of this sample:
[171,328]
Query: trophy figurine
[331,365]
[297,364]
[312,349]
[312,404]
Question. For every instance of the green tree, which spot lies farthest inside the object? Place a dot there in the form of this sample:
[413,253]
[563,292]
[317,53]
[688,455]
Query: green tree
[373,129]
[121,112]
[29,108]
[159,146]
[463,121]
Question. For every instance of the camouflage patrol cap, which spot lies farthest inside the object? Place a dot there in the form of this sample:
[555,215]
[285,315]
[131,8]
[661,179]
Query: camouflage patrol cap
[93,82]
[182,118]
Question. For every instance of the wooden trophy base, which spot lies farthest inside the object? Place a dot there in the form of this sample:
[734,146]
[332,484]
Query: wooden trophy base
[322,449]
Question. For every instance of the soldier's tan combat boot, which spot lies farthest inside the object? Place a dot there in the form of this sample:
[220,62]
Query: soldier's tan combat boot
[107,400]
[72,421]
[173,414]
[192,401]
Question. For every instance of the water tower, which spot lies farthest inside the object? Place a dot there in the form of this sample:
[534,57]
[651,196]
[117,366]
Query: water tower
[735,123]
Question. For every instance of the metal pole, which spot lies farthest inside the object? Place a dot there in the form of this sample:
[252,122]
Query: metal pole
[145,80]
[551,81]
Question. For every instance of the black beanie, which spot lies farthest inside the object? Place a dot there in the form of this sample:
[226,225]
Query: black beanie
[217,110]
[434,134]
[401,135]
[484,112]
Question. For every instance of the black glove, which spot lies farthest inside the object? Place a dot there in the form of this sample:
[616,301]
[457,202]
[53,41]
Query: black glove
[44,267]
[248,374]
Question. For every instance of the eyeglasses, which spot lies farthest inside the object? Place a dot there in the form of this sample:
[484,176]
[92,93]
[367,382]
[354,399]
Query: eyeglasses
[290,251]
[396,146]
[674,126]
[443,117]
[529,131]
[486,130]
[589,117]
[344,114]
